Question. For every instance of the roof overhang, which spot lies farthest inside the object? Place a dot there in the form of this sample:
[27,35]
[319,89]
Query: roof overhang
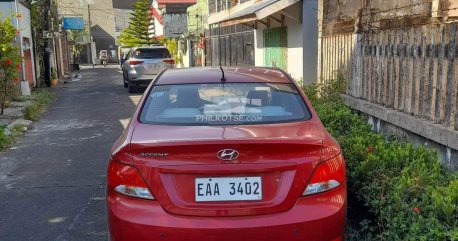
[255,12]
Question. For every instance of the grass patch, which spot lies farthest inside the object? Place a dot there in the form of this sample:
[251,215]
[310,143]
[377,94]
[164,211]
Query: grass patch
[396,191]
[7,138]
[41,98]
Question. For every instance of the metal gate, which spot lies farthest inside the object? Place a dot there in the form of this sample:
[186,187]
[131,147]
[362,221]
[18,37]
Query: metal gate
[233,45]
[275,47]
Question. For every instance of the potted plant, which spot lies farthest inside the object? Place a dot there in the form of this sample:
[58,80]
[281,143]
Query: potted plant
[53,77]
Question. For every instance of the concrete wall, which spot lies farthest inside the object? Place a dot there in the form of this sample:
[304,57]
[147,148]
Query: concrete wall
[294,41]
[310,43]
[349,9]
[121,17]
[349,16]
[402,74]
[25,27]
[26,32]
[411,129]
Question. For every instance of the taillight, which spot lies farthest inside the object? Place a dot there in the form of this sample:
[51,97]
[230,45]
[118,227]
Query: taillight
[135,62]
[126,179]
[169,61]
[329,174]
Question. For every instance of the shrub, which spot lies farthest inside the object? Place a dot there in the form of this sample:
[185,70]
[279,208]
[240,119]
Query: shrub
[9,61]
[41,99]
[404,191]
[9,137]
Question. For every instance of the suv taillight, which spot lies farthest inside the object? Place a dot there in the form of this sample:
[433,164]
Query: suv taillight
[126,179]
[169,61]
[329,174]
[135,62]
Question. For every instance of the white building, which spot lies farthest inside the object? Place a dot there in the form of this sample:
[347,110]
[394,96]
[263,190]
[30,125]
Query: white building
[121,20]
[285,33]
[157,26]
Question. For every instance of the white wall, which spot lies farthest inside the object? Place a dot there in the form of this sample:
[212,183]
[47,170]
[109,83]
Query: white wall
[26,32]
[121,20]
[310,31]
[25,26]
[5,8]
[158,27]
[294,33]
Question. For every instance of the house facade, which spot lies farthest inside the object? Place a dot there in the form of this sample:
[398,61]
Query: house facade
[99,18]
[22,22]
[170,17]
[273,34]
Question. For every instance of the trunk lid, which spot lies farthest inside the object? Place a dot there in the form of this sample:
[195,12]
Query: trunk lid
[151,66]
[283,156]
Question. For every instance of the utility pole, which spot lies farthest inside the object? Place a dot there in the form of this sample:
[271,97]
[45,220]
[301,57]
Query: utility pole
[90,35]
[47,53]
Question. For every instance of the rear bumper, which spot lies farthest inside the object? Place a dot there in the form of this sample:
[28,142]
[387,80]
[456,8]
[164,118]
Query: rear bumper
[140,82]
[313,218]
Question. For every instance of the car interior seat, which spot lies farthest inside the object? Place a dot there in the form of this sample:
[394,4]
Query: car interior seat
[258,98]
[188,97]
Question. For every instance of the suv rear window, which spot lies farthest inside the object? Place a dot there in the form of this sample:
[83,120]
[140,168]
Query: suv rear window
[153,53]
[223,104]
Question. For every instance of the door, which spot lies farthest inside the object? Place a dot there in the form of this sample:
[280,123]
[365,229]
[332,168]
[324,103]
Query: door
[275,48]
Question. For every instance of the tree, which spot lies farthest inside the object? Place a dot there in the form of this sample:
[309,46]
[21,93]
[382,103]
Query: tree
[9,61]
[37,11]
[73,40]
[137,33]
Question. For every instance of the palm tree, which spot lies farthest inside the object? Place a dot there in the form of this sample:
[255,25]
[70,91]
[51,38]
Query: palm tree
[74,40]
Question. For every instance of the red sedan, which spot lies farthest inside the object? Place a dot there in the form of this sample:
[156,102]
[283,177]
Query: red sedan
[225,154]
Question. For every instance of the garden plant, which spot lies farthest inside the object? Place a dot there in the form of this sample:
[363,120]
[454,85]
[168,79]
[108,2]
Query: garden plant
[9,61]
[396,190]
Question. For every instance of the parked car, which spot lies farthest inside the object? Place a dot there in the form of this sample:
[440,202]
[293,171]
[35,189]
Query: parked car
[142,64]
[236,153]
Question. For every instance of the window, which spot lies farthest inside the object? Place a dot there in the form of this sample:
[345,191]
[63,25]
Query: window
[153,53]
[224,104]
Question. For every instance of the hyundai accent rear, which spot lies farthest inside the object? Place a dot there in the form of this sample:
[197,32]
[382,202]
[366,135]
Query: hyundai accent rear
[225,154]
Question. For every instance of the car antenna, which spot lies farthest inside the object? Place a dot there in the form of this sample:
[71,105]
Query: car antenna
[223,79]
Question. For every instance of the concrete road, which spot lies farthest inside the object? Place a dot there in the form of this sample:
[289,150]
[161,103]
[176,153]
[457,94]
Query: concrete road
[52,182]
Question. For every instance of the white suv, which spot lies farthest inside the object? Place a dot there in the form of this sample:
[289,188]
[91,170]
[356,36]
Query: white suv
[142,64]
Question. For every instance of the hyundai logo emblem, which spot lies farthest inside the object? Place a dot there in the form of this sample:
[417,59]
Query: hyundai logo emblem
[228,154]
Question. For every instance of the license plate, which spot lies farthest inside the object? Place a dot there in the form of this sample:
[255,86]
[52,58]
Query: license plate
[228,189]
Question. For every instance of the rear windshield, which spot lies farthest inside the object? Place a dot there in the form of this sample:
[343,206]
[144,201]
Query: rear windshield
[156,53]
[223,104]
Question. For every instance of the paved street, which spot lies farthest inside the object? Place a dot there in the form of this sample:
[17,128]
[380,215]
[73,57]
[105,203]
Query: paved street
[52,182]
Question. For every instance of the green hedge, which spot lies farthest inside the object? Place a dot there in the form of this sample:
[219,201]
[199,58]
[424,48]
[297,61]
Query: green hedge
[396,190]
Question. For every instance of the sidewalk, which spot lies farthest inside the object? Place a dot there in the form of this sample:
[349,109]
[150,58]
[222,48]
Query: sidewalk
[14,115]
